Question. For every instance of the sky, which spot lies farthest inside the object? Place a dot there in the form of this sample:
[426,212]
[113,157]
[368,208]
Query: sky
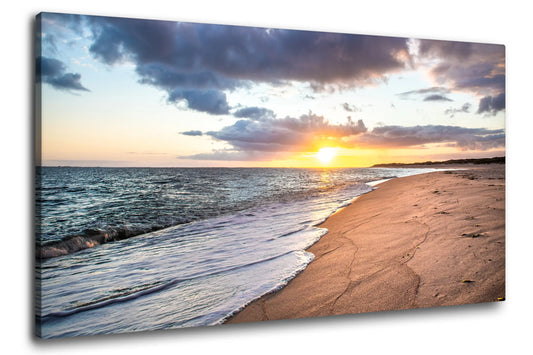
[132,92]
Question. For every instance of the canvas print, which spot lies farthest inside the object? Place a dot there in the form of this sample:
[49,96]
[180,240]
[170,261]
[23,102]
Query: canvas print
[194,174]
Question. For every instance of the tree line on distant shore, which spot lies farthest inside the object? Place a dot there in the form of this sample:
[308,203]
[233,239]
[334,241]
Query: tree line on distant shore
[495,160]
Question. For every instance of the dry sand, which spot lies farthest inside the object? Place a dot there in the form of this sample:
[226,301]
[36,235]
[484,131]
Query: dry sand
[421,241]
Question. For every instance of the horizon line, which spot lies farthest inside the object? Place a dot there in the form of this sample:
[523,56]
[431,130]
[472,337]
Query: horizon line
[272,167]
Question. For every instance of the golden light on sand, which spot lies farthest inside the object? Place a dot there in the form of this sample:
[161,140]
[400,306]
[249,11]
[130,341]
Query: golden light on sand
[325,155]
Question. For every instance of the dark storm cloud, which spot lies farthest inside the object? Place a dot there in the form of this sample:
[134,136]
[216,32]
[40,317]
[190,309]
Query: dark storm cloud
[463,109]
[48,67]
[284,135]
[168,78]
[458,50]
[246,53]
[478,78]
[469,67]
[255,113]
[436,98]
[463,138]
[210,101]
[186,59]
[436,94]
[177,57]
[257,140]
[192,133]
[52,71]
[144,41]
[491,105]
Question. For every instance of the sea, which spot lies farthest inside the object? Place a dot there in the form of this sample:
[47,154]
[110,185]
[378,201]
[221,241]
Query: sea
[135,249]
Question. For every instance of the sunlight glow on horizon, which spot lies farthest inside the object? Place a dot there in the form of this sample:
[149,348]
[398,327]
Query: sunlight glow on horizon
[326,154]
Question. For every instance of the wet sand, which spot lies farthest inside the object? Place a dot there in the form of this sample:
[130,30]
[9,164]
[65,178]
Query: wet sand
[428,240]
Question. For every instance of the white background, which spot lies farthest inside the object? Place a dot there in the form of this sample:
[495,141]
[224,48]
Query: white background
[474,329]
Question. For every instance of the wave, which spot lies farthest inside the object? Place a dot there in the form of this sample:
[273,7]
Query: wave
[124,295]
[88,239]
[91,238]
[121,297]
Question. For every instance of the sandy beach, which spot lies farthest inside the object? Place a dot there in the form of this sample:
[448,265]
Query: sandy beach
[427,240]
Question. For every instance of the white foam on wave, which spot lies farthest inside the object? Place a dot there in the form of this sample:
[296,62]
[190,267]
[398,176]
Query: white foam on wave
[193,274]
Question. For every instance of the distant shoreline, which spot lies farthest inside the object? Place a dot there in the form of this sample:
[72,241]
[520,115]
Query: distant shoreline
[495,160]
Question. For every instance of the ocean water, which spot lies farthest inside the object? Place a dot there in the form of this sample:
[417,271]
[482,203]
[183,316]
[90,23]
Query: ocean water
[135,249]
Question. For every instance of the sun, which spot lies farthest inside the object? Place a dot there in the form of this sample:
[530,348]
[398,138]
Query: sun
[325,155]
